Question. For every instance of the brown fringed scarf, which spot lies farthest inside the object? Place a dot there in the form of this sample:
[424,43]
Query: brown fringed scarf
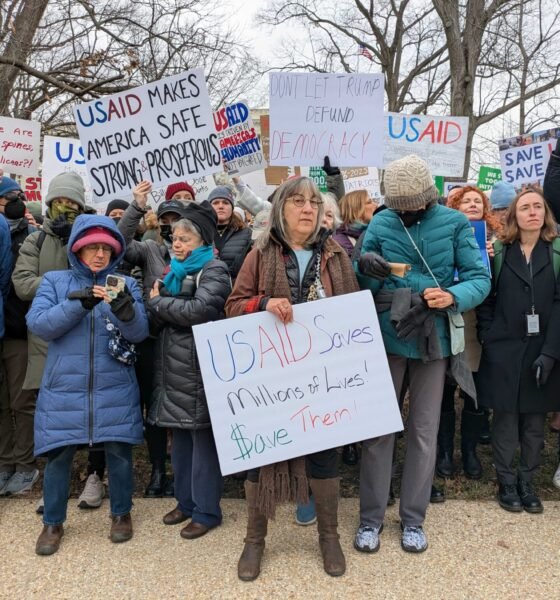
[286,481]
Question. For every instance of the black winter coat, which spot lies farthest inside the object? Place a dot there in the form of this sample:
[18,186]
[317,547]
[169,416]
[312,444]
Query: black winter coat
[551,186]
[178,398]
[506,380]
[233,246]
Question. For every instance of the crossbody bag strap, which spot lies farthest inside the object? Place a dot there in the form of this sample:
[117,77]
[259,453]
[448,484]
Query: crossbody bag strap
[420,254]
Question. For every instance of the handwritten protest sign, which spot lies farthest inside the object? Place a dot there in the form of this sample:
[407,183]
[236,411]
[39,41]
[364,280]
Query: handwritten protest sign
[440,141]
[487,177]
[273,175]
[313,115]
[19,146]
[239,143]
[362,178]
[61,155]
[162,131]
[276,392]
[524,158]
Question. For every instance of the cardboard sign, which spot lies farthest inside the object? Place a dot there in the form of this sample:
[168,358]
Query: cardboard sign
[162,131]
[487,177]
[313,115]
[440,141]
[61,155]
[524,158]
[276,392]
[239,144]
[20,142]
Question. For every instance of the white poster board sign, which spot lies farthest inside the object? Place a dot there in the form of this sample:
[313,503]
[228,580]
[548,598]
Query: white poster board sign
[61,155]
[524,158]
[362,178]
[162,131]
[440,141]
[20,142]
[313,115]
[276,392]
[239,142]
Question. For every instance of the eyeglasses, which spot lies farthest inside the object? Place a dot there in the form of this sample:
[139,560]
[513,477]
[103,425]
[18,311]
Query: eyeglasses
[180,238]
[300,201]
[96,247]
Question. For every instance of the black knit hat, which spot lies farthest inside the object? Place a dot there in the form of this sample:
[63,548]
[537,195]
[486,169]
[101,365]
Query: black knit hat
[173,206]
[116,204]
[203,216]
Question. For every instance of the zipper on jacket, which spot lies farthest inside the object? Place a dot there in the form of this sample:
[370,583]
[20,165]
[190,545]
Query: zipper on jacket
[300,281]
[91,364]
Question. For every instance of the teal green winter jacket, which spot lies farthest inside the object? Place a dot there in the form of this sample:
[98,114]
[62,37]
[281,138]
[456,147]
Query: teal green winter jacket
[445,238]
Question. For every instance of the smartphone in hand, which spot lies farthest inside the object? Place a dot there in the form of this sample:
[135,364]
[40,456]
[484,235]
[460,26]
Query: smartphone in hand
[114,285]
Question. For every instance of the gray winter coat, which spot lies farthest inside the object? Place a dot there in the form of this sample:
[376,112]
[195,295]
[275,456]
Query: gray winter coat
[178,398]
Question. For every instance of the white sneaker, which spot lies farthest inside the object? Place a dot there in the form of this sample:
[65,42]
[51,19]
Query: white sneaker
[21,482]
[556,478]
[93,493]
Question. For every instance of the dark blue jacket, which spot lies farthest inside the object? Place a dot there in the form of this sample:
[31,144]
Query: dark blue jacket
[86,395]
[5,268]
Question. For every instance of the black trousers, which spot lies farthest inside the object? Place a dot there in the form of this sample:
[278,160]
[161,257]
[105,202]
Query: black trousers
[320,465]
[513,430]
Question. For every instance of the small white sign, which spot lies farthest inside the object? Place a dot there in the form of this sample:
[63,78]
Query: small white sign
[20,142]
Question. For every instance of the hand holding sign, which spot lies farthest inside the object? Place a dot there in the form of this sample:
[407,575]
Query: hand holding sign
[281,308]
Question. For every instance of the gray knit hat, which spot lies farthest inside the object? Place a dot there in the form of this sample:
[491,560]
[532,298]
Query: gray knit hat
[409,184]
[67,185]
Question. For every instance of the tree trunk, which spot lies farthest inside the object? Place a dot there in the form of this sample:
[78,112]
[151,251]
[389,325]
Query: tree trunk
[18,47]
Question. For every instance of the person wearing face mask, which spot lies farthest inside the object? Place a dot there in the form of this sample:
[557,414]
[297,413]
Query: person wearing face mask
[153,258]
[18,469]
[115,209]
[416,309]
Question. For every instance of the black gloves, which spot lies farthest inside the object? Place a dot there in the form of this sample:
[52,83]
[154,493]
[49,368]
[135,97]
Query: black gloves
[543,368]
[411,324]
[86,297]
[329,170]
[373,265]
[122,306]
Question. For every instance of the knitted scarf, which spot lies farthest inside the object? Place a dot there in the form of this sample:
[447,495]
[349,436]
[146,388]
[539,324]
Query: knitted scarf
[287,480]
[181,268]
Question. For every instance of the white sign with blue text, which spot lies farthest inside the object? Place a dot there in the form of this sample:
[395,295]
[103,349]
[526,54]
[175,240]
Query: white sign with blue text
[279,391]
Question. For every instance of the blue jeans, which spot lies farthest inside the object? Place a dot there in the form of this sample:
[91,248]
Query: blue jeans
[198,479]
[57,480]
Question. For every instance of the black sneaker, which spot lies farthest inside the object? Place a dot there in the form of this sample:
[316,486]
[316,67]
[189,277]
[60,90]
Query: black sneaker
[529,499]
[508,498]
[437,495]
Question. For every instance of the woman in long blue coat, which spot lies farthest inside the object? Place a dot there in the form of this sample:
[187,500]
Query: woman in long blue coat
[87,395]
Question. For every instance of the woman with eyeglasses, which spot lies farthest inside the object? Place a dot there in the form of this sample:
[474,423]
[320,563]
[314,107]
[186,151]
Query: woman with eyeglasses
[88,394]
[294,261]
[193,290]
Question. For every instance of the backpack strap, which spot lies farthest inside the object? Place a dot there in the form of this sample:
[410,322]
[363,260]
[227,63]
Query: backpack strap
[41,240]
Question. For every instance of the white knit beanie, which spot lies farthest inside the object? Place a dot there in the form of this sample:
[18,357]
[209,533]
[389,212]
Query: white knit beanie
[409,184]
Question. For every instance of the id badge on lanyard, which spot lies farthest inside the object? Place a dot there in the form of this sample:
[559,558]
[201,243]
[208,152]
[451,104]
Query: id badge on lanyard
[532,322]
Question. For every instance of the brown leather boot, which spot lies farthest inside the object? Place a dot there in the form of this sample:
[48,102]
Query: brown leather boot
[325,492]
[121,529]
[249,566]
[49,540]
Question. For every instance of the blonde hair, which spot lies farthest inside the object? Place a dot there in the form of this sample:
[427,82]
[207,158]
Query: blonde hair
[352,206]
[511,231]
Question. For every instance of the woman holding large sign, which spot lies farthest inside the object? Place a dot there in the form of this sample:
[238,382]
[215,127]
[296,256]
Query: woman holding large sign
[294,261]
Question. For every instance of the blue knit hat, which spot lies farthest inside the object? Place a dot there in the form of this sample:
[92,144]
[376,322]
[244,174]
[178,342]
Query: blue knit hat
[502,195]
[7,184]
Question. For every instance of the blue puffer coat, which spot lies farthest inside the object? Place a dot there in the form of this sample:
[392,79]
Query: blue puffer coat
[86,395]
[444,237]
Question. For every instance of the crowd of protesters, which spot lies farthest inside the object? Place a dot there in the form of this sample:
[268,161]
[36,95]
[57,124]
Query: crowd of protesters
[97,346]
